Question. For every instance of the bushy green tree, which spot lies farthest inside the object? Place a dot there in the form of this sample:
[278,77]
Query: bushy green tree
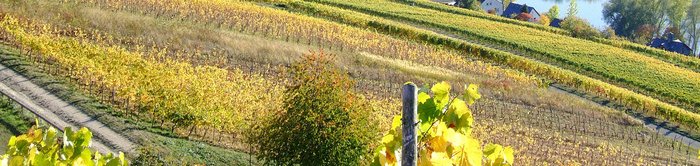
[691,26]
[580,28]
[627,16]
[324,123]
[553,12]
[573,9]
[469,4]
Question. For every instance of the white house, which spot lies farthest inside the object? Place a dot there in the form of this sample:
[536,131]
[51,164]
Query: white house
[495,6]
[446,2]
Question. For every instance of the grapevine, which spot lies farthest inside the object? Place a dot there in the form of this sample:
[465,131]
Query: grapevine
[42,147]
[445,133]
[149,84]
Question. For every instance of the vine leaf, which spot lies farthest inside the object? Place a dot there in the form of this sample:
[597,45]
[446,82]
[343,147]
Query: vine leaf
[472,93]
[442,94]
[468,154]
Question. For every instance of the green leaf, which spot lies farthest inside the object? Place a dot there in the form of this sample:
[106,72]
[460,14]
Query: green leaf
[85,136]
[387,139]
[50,137]
[16,160]
[496,155]
[12,141]
[113,162]
[86,157]
[442,94]
[122,159]
[465,123]
[396,123]
[472,93]
[43,159]
[67,136]
[492,152]
[423,97]
[427,114]
[459,107]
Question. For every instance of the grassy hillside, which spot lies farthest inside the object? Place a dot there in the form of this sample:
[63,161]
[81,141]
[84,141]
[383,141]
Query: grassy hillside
[623,67]
[689,62]
[161,43]
[652,107]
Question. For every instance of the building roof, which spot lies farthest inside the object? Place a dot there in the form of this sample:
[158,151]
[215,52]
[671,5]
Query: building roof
[677,44]
[482,1]
[447,2]
[555,22]
[657,42]
[669,43]
[515,9]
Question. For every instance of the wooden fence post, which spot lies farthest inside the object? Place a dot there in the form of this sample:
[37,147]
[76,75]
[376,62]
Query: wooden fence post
[409,153]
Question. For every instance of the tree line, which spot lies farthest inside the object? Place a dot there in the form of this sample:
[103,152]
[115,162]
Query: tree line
[641,20]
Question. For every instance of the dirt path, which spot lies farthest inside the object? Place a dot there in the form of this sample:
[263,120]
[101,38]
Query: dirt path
[59,113]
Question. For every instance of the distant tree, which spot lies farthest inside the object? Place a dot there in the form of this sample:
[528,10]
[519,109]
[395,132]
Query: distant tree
[609,33]
[627,16]
[644,33]
[469,4]
[544,20]
[524,17]
[676,11]
[573,9]
[506,3]
[676,31]
[691,26]
[553,12]
[580,28]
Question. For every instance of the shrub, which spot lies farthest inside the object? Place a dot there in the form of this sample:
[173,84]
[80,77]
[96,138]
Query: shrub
[324,123]
[545,20]
[524,16]
[580,28]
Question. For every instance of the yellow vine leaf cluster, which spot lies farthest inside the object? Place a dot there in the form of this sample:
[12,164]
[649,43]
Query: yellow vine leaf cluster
[444,133]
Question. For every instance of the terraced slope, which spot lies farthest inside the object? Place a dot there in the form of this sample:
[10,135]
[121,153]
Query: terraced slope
[691,63]
[59,113]
[623,67]
[545,126]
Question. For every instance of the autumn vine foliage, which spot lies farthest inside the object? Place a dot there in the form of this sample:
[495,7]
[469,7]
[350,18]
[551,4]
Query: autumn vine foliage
[147,82]
[47,147]
[445,127]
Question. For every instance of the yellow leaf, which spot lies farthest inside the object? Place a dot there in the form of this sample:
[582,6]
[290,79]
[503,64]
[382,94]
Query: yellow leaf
[472,93]
[442,93]
[468,154]
[440,159]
